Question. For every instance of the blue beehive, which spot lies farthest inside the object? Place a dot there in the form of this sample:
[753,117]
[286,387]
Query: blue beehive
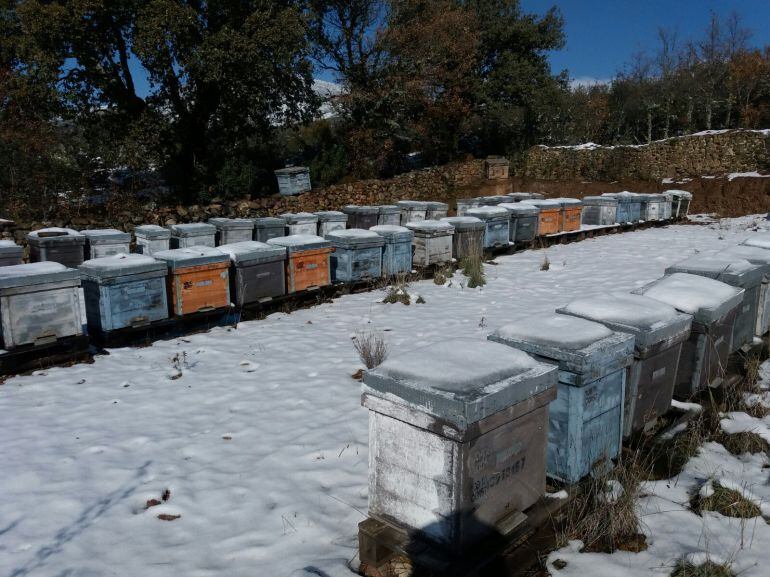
[397,251]
[293,180]
[388,214]
[124,290]
[524,221]
[586,419]
[629,206]
[357,254]
[497,224]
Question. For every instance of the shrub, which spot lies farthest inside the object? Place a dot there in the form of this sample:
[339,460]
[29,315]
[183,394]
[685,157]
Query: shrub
[371,348]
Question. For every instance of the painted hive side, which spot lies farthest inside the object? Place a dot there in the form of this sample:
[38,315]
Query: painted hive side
[199,288]
[354,264]
[308,269]
[124,304]
[41,315]
[254,283]
[397,258]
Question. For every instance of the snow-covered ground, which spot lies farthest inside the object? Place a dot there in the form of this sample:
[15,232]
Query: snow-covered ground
[257,434]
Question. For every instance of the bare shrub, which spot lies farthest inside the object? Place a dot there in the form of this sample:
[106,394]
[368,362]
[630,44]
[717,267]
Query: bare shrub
[397,291]
[473,266]
[546,263]
[441,275]
[371,348]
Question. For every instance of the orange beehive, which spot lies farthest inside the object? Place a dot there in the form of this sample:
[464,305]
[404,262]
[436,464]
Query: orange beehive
[198,279]
[307,265]
[550,219]
[571,213]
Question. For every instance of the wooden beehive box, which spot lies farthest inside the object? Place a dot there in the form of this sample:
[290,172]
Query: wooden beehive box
[151,238]
[293,180]
[357,255]
[10,253]
[468,239]
[106,242]
[257,271]
[761,256]
[432,242]
[600,210]
[397,251]
[63,245]
[497,167]
[549,218]
[307,261]
[496,224]
[232,230]
[192,234]
[198,279]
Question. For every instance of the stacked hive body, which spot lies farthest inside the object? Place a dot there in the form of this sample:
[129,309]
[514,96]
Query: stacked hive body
[524,221]
[331,220]
[436,210]
[659,331]
[388,214]
[571,213]
[269,227]
[600,210]
[62,245]
[197,280]
[586,419]
[304,223]
[735,272]
[363,217]
[231,230]
[713,306]
[39,303]
[468,238]
[759,256]
[307,261]
[397,250]
[106,242]
[151,238]
[412,211]
[193,234]
[257,271]
[357,255]
[124,290]
[432,242]
[496,222]
[457,435]
[10,253]
[629,206]
[549,217]
[293,180]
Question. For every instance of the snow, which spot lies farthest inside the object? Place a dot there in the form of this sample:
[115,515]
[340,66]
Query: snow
[487,212]
[292,217]
[752,174]
[242,250]
[30,269]
[429,226]
[759,241]
[53,231]
[262,442]
[631,310]
[692,294]
[298,240]
[555,330]
[352,233]
[687,407]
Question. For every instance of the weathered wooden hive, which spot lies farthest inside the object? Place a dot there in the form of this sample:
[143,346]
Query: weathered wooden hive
[650,207]
[192,234]
[257,271]
[600,210]
[330,220]
[493,200]
[63,245]
[713,306]
[735,272]
[549,218]
[412,210]
[304,223]
[357,254]
[268,227]
[496,222]
[571,213]
[397,250]
[659,331]
[231,230]
[432,242]
[293,180]
[629,206]
[457,439]
[198,279]
[123,290]
[307,261]
[388,214]
[760,256]
[151,238]
[680,202]
[468,239]
[463,204]
[39,303]
[586,419]
[665,207]
[436,210]
[106,242]
[10,253]
[363,217]
[524,221]
[497,167]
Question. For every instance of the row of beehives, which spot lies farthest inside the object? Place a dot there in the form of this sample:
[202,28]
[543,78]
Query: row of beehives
[464,433]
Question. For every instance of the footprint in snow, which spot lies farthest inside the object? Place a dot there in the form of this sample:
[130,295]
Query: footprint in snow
[248,366]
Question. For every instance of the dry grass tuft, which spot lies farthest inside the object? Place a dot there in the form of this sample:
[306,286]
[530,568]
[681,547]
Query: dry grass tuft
[371,348]
[546,263]
[728,503]
[707,569]
[397,292]
[745,442]
[442,274]
[473,267]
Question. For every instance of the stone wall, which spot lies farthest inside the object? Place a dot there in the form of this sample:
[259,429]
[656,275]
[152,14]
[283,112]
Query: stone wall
[706,153]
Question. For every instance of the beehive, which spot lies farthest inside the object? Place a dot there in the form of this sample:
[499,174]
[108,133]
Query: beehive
[123,290]
[524,221]
[432,242]
[600,210]
[363,217]
[571,213]
[496,222]
[651,206]
[293,180]
[62,245]
[106,242]
[735,272]
[519,196]
[198,279]
[330,220]
[457,437]
[680,200]
[493,200]
[755,255]
[357,255]
[412,210]
[468,239]
[659,331]
[497,167]
[713,306]
[193,234]
[463,204]
[665,207]
[257,271]
[39,303]
[307,261]
[388,214]
[300,223]
[549,218]
[10,253]
[629,206]
[436,210]
[232,230]
[268,227]
[397,250]
[586,419]
[151,238]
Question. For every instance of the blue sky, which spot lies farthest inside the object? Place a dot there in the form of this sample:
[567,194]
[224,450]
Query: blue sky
[602,36]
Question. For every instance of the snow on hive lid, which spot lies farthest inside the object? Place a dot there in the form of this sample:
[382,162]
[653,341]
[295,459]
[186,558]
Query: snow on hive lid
[232,223]
[35,273]
[519,208]
[120,265]
[679,193]
[460,380]
[542,203]
[436,205]
[753,254]
[269,222]
[393,232]
[564,201]
[601,200]
[152,231]
[434,226]
[705,298]
[251,250]
[735,272]
[354,236]
[759,241]
[357,209]
[520,195]
[191,256]
[297,242]
[106,235]
[331,216]
[10,248]
[192,229]
[418,204]
[555,330]
[388,209]
[465,222]
[56,235]
[295,217]
[488,212]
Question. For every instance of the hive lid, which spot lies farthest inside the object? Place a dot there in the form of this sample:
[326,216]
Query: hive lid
[435,205]
[412,204]
[251,250]
[580,346]
[106,236]
[461,380]
[192,229]
[393,232]
[600,200]
[465,222]
[475,201]
[10,248]
[355,237]
[232,223]
[564,201]
[121,265]
[759,241]
[388,209]
[520,195]
[706,299]
[297,242]
[650,321]
[678,193]
[520,208]
[753,254]
[292,170]
[331,216]
[735,272]
[488,212]
[298,217]
[35,273]
[542,203]
[191,256]
[56,235]
[269,222]
[356,209]
[152,231]
[432,226]
[493,200]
